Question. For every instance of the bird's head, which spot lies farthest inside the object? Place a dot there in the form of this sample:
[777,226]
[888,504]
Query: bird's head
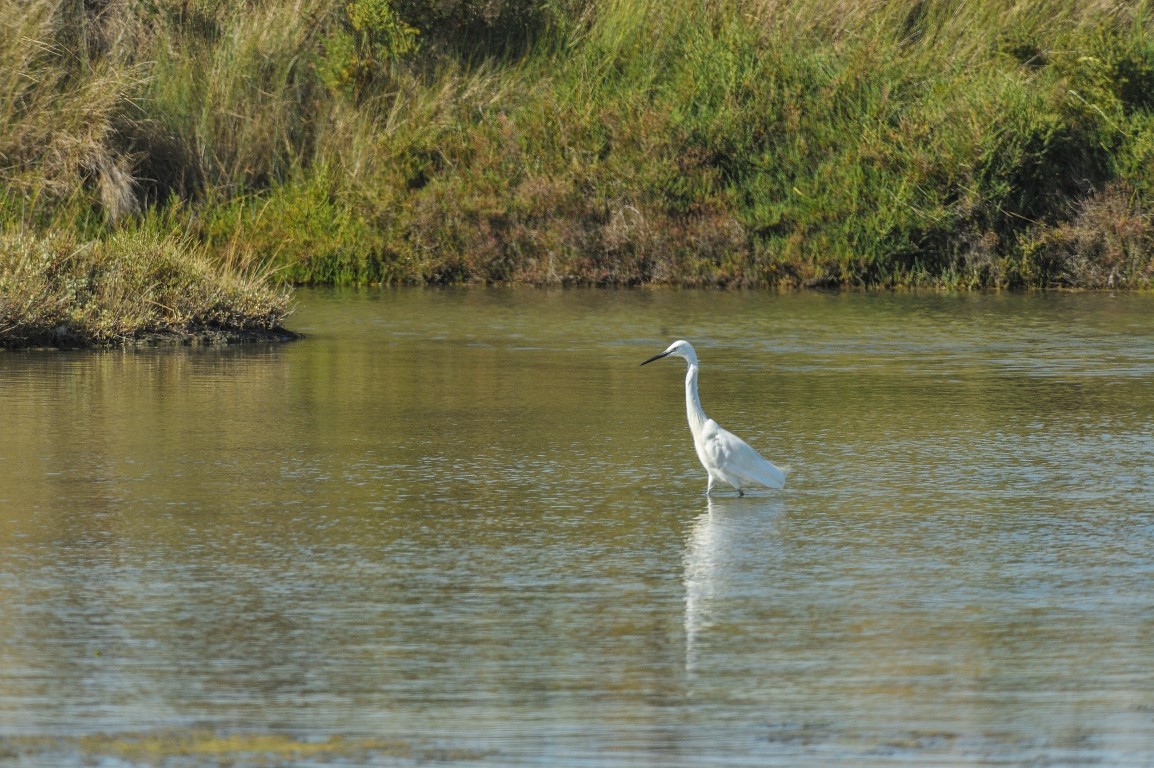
[679,348]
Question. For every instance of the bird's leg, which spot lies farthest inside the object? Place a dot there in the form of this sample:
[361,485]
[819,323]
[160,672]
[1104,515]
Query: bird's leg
[740,492]
[709,487]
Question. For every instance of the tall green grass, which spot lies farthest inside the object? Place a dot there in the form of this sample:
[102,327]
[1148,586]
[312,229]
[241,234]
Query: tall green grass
[696,142]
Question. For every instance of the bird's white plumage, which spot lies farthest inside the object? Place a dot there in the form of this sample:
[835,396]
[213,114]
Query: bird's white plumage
[726,457]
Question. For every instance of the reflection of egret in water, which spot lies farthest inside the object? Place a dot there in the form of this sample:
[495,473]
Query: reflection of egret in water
[725,558]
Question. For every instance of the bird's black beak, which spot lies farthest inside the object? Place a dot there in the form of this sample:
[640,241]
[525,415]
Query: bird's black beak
[655,357]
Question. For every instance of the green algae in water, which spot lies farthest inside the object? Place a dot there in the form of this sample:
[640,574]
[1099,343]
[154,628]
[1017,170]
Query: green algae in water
[209,747]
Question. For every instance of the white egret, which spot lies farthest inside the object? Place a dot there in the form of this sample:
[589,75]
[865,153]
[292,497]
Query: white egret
[725,456]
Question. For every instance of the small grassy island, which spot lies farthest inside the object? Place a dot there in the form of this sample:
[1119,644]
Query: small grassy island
[130,288]
[166,167]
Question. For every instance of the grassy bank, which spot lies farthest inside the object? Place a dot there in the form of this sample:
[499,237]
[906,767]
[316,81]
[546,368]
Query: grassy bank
[731,142]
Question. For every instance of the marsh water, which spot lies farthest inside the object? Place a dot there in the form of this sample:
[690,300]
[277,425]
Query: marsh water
[465,526]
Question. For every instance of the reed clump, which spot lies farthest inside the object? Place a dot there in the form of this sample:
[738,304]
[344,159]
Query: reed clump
[134,287]
[986,143]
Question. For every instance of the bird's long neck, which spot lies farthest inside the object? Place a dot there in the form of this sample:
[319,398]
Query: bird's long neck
[693,407]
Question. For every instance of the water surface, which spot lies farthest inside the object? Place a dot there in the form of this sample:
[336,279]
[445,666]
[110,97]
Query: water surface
[466,526]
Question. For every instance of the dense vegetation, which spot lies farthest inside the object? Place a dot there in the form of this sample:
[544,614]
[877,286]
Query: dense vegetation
[960,143]
[130,288]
